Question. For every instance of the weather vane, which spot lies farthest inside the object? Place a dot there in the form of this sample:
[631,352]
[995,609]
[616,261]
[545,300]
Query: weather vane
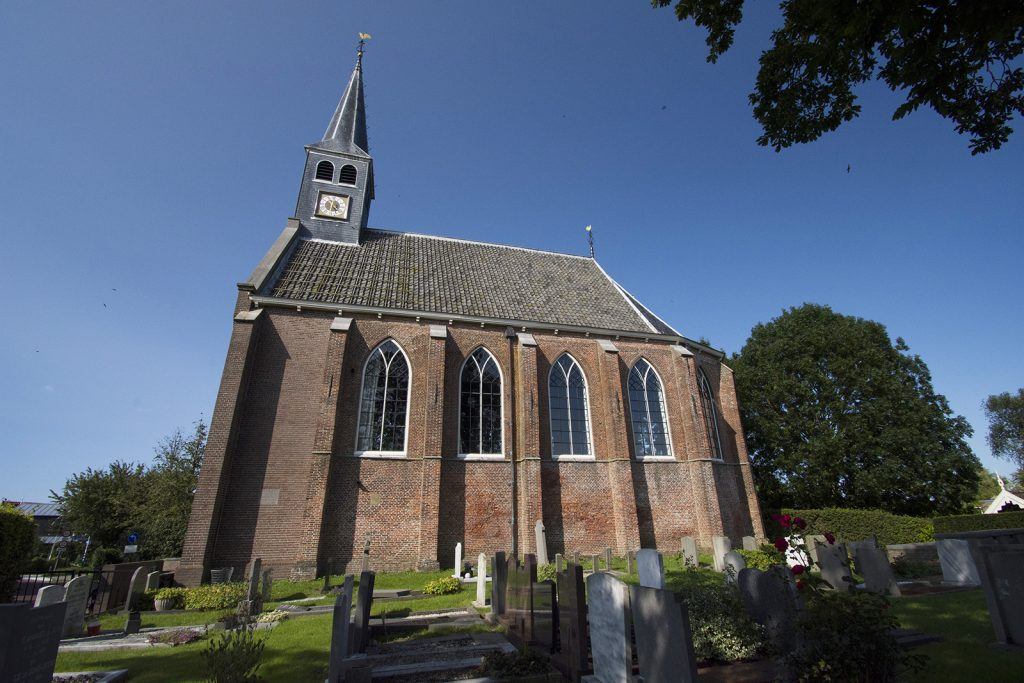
[590,239]
[363,37]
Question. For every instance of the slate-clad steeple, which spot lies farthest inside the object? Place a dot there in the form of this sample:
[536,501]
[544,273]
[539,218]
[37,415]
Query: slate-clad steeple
[337,185]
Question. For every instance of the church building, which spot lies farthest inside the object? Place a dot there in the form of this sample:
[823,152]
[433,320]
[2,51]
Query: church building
[404,392]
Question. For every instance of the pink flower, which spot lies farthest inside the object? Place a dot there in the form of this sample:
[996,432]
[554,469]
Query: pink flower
[797,569]
[830,538]
[781,544]
[784,521]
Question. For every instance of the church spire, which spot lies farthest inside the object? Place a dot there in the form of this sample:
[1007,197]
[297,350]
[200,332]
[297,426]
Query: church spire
[347,129]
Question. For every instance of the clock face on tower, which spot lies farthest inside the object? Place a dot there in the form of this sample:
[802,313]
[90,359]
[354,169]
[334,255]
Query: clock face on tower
[330,205]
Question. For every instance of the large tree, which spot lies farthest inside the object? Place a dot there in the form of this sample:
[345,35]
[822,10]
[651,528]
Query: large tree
[1005,414]
[959,57]
[837,415]
[101,503]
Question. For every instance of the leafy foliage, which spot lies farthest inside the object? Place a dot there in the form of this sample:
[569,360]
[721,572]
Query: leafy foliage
[959,57]
[988,487]
[512,665]
[546,572]
[17,537]
[837,415]
[721,629]
[178,636]
[102,503]
[234,656]
[857,525]
[1005,413]
[214,595]
[443,586]
[915,569]
[763,558]
[956,523]
[177,595]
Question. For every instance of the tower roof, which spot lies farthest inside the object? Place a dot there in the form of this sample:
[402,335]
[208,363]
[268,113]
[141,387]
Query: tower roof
[347,129]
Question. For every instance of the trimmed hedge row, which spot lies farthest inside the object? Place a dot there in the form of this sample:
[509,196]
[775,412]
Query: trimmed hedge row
[956,523]
[17,536]
[856,525]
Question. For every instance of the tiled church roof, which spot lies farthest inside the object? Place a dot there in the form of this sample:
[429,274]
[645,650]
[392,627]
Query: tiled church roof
[412,272]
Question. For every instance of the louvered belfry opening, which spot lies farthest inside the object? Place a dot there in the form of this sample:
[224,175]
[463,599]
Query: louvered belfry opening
[325,171]
[348,175]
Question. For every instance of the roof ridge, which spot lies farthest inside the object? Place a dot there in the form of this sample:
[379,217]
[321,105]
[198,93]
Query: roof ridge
[636,304]
[487,244]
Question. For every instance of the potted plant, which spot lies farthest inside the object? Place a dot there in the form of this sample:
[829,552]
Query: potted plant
[168,598]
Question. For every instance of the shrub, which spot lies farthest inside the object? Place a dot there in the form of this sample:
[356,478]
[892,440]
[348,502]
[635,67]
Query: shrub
[914,569]
[234,656]
[179,636]
[214,596]
[513,665]
[721,629]
[37,564]
[857,525]
[764,558]
[957,523]
[102,556]
[846,637]
[546,572]
[443,586]
[17,538]
[177,595]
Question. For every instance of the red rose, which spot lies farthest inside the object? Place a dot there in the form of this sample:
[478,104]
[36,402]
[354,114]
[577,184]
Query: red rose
[781,544]
[830,538]
[799,523]
[800,584]
[784,521]
[797,569]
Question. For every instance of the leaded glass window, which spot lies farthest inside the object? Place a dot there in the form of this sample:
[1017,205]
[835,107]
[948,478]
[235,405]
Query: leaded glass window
[647,411]
[384,404]
[480,405]
[570,412]
[707,400]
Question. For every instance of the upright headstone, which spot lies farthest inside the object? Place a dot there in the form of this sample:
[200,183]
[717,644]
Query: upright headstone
[608,616]
[545,615]
[576,557]
[135,587]
[854,547]
[720,545]
[340,633]
[770,599]
[873,565]
[364,603]
[749,543]
[499,583]
[690,556]
[251,605]
[958,567]
[834,563]
[1002,577]
[732,564]
[327,577]
[650,566]
[29,638]
[664,641]
[153,581]
[542,543]
[629,562]
[458,561]
[608,559]
[559,562]
[481,581]
[572,622]
[811,543]
[365,564]
[49,595]
[595,559]
[268,584]
[519,599]
[76,596]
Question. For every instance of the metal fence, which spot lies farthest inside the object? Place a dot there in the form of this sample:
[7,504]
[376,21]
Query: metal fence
[102,593]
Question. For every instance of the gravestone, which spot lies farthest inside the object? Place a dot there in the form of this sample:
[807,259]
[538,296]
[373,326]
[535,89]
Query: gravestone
[327,577]
[732,564]
[576,557]
[749,543]
[559,562]
[608,617]
[1001,568]
[650,566]
[76,597]
[29,638]
[873,565]
[268,584]
[364,602]
[153,581]
[545,615]
[854,547]
[664,641]
[542,543]
[720,545]
[481,581]
[690,556]
[770,599]
[340,633]
[135,587]
[834,563]
[629,562]
[499,583]
[519,599]
[457,573]
[365,562]
[251,605]
[608,559]
[958,567]
[811,543]
[49,595]
[597,563]
[572,656]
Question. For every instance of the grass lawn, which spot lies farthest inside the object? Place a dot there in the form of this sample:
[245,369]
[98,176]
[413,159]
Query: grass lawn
[966,652]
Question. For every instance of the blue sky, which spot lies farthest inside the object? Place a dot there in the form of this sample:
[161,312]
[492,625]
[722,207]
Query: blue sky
[151,152]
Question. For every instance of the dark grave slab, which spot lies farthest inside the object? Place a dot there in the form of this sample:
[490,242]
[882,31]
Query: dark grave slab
[29,638]
[664,641]
[545,615]
[771,600]
[519,599]
[364,603]
[571,657]
[340,633]
[499,583]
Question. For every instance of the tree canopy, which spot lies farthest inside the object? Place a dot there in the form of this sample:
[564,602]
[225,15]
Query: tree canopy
[1005,413]
[959,57]
[836,415]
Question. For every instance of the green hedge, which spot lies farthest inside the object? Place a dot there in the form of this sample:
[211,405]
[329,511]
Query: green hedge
[215,596]
[17,537]
[856,525]
[957,523]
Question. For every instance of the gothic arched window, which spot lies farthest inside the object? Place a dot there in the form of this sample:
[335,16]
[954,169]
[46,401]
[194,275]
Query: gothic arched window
[348,174]
[570,412]
[325,171]
[647,411]
[707,400]
[384,404]
[480,405]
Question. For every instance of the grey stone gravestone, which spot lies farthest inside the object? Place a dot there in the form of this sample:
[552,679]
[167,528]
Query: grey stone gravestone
[650,566]
[340,633]
[153,581]
[608,616]
[457,573]
[629,562]
[252,604]
[481,581]
[76,597]
[873,565]
[690,556]
[608,559]
[664,641]
[559,562]
[542,543]
[519,599]
[365,563]
[572,657]
[720,545]
[749,543]
[29,638]
[364,603]
[958,567]
[499,583]
[135,587]
[732,564]
[834,563]
[854,547]
[327,577]
[811,543]
[576,557]
[268,584]
[49,595]
[545,615]
[597,562]
[771,600]
[1001,567]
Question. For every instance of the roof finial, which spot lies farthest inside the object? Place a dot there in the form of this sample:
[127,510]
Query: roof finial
[590,239]
[363,37]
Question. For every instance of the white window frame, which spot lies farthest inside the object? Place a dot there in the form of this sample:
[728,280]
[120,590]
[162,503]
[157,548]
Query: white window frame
[458,436]
[570,457]
[408,404]
[664,408]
